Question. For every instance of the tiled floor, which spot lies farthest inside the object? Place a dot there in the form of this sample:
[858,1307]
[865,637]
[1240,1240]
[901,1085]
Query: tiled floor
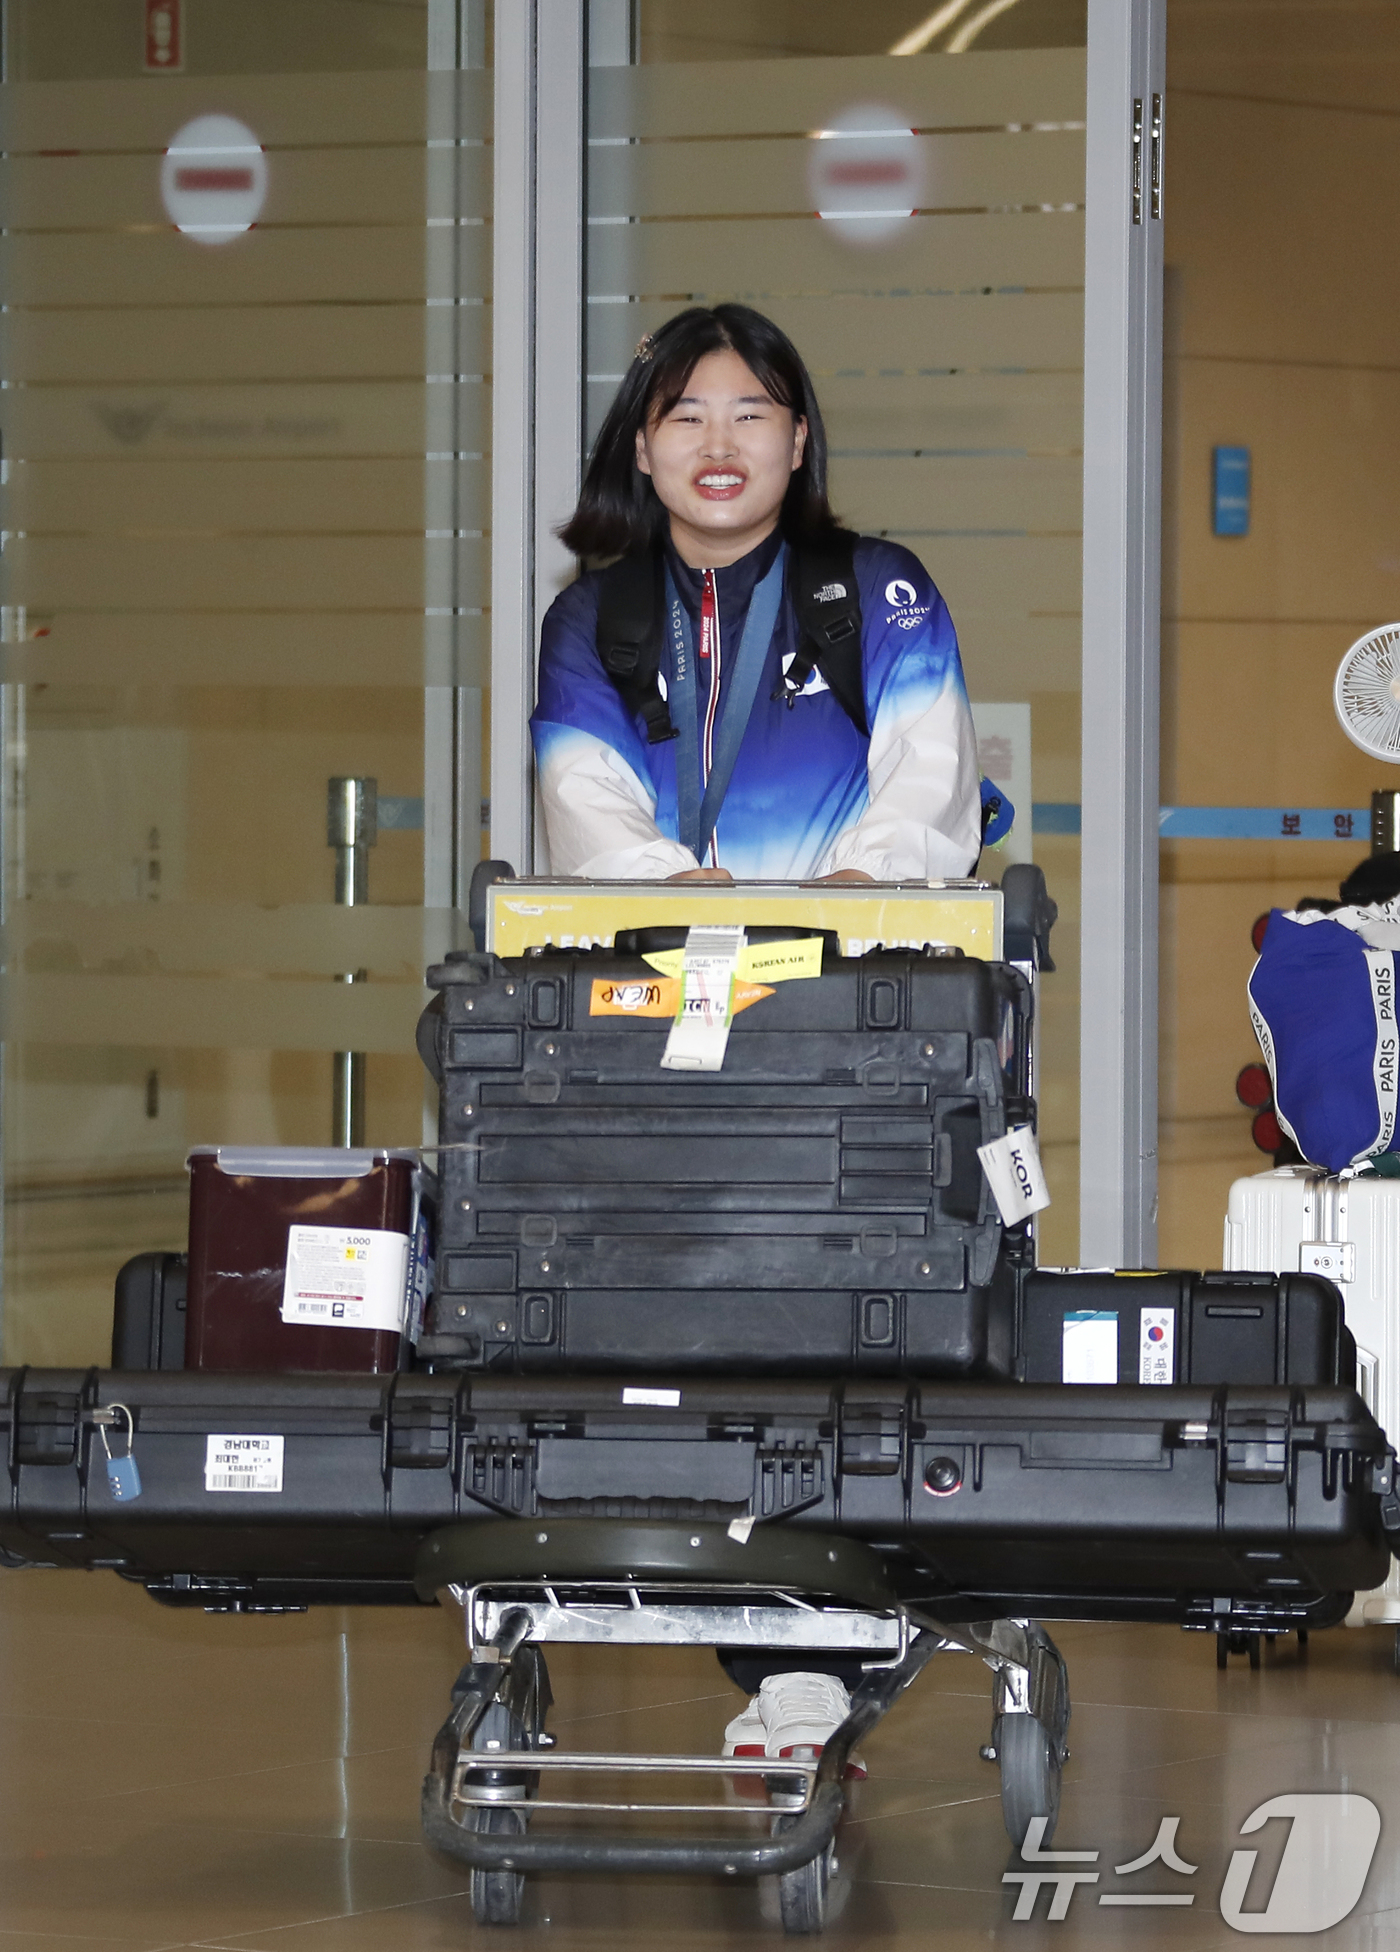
[171,1780]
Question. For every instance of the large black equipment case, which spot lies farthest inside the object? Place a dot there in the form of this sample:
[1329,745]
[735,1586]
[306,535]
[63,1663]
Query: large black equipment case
[815,1207]
[148,1319]
[1199,1328]
[984,1500]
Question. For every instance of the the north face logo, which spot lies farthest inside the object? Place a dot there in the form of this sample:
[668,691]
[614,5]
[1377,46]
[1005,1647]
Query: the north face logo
[830,592]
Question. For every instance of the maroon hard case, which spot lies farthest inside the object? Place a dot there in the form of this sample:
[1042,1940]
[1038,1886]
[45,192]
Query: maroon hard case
[239,1223]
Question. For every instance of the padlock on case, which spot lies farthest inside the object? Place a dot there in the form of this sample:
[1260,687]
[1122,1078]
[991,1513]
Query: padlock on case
[123,1473]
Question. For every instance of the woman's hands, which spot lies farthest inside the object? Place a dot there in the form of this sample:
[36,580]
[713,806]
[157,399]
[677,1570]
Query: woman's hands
[723,874]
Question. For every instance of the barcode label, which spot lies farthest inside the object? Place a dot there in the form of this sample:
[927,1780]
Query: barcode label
[346,1277]
[239,1463]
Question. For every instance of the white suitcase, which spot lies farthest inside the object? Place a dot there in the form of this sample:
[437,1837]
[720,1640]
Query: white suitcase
[1302,1219]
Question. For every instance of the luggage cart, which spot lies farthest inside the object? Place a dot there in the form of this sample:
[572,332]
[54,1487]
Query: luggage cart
[886,1520]
[495,1766]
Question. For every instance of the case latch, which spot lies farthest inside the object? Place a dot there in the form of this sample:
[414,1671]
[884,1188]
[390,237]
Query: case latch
[1256,1450]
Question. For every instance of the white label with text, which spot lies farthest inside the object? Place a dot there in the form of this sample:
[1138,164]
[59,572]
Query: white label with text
[346,1277]
[1015,1174]
[1089,1346]
[238,1463]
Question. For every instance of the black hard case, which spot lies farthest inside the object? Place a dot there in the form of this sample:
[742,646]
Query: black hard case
[816,1207]
[1228,1328]
[985,1500]
[148,1317]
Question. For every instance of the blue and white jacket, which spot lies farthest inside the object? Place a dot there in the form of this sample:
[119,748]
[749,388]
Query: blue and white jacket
[809,794]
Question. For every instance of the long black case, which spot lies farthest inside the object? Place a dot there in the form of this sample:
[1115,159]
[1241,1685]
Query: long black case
[148,1317]
[1197,1328]
[816,1207]
[983,1499]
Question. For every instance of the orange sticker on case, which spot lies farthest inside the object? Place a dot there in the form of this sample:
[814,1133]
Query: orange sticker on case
[659,996]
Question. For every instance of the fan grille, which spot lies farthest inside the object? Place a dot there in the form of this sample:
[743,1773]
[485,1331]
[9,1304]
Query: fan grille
[1367,693]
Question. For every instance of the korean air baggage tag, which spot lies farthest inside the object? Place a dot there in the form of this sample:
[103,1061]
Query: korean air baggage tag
[699,1036]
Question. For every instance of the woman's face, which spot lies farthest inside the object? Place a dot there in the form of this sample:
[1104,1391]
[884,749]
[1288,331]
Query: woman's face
[721,460]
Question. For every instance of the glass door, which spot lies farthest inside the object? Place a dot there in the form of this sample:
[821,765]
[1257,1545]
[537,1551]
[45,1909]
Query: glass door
[902,189]
[246,426]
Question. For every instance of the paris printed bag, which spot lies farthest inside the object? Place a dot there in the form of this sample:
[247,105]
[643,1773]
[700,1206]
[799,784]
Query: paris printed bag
[1322,997]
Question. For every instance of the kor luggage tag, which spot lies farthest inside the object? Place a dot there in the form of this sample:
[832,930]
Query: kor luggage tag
[123,1476]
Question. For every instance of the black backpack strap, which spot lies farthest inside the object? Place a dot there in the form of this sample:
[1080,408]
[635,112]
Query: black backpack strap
[827,602]
[630,606]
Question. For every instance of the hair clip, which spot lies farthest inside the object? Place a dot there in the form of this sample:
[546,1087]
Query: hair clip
[645,348]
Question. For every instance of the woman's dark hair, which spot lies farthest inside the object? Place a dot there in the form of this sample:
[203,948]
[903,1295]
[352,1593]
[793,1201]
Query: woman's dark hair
[619,509]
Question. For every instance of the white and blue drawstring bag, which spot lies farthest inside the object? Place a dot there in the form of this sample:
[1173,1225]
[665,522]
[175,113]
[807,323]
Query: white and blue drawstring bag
[1322,997]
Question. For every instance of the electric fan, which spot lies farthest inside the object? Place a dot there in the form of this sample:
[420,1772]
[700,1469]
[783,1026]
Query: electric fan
[1367,693]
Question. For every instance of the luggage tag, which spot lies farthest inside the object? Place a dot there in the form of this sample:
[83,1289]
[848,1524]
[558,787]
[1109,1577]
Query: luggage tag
[1015,1174]
[123,1474]
[699,1036]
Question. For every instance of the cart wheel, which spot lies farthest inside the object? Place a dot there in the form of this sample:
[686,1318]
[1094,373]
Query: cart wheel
[1030,1776]
[802,1893]
[1236,1642]
[497,1895]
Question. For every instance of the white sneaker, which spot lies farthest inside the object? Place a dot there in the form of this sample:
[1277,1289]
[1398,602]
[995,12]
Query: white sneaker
[798,1712]
[746,1734]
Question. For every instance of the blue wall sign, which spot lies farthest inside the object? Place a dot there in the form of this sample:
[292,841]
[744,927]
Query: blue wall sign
[1230,490]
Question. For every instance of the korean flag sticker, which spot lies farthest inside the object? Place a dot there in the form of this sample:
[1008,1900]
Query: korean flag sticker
[1157,1345]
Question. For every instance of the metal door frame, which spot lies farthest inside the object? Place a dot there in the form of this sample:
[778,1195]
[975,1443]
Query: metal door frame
[1122,631]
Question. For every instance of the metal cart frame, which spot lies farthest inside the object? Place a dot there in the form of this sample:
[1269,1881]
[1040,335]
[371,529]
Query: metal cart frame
[493,1754]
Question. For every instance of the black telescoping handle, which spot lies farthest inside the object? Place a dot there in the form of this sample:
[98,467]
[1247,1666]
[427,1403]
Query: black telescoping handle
[1028,914]
[484,875]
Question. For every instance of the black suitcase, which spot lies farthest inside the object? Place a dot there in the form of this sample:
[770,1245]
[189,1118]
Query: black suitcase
[984,1500]
[816,1207]
[148,1317]
[1178,1327]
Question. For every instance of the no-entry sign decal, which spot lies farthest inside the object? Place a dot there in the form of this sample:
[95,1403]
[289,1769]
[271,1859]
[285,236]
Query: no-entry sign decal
[866,171]
[213,179]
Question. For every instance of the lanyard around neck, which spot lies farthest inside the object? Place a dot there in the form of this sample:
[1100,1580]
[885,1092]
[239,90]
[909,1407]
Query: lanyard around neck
[696,818]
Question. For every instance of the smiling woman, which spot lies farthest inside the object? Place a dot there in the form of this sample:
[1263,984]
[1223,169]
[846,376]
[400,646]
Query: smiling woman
[721,461]
[753,691]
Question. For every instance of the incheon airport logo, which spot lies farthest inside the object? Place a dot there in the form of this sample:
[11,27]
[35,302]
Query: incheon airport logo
[1318,1881]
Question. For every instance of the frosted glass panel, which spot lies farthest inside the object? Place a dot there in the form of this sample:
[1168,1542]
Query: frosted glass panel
[247,523]
[945,339]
